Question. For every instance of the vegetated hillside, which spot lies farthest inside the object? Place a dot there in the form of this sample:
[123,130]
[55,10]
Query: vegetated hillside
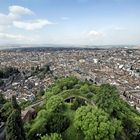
[76,110]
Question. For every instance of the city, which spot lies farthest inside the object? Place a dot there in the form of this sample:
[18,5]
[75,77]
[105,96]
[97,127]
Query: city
[69,70]
[119,67]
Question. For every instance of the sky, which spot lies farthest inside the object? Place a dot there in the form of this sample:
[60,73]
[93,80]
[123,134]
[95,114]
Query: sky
[77,22]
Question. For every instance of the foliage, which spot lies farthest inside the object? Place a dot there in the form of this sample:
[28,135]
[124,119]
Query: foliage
[25,104]
[37,128]
[14,130]
[130,120]
[40,72]
[77,103]
[63,84]
[57,122]
[50,123]
[6,110]
[95,123]
[55,104]
[8,71]
[1,82]
[89,95]
[2,99]
[84,89]
[53,136]
[107,98]
[38,125]
[15,104]
[106,116]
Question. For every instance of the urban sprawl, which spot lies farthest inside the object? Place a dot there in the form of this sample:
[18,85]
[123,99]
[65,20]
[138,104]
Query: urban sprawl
[119,67]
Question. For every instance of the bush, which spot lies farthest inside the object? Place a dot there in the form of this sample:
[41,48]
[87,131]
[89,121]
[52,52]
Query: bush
[77,103]
[89,95]
[57,122]
[53,136]
[55,104]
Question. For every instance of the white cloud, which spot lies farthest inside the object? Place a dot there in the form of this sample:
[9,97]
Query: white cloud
[19,10]
[5,19]
[4,28]
[18,38]
[93,33]
[14,18]
[31,25]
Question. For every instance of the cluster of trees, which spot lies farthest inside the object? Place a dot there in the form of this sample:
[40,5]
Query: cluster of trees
[126,120]
[14,125]
[96,124]
[99,114]
[5,108]
[1,82]
[40,72]
[53,136]
[50,119]
[2,100]
[10,113]
[8,71]
[77,103]
[108,99]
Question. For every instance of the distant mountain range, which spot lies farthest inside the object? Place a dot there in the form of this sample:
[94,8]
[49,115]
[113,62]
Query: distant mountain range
[10,46]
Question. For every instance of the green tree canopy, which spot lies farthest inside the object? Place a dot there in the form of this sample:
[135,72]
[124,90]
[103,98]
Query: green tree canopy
[2,99]
[95,123]
[14,129]
[53,136]
[57,122]
[6,110]
[107,98]
[15,104]
[55,104]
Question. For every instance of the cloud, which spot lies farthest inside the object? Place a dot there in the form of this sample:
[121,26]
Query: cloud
[5,19]
[18,38]
[15,16]
[31,25]
[3,27]
[96,34]
[19,10]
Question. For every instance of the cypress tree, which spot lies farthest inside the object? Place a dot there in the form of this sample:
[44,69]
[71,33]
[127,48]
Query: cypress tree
[14,125]
[15,104]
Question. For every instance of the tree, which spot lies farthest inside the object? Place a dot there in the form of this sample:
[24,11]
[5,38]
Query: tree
[8,71]
[14,129]
[1,82]
[84,89]
[107,98]
[2,100]
[95,123]
[77,103]
[37,128]
[57,122]
[14,126]
[6,110]
[55,104]
[47,68]
[53,136]
[15,104]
